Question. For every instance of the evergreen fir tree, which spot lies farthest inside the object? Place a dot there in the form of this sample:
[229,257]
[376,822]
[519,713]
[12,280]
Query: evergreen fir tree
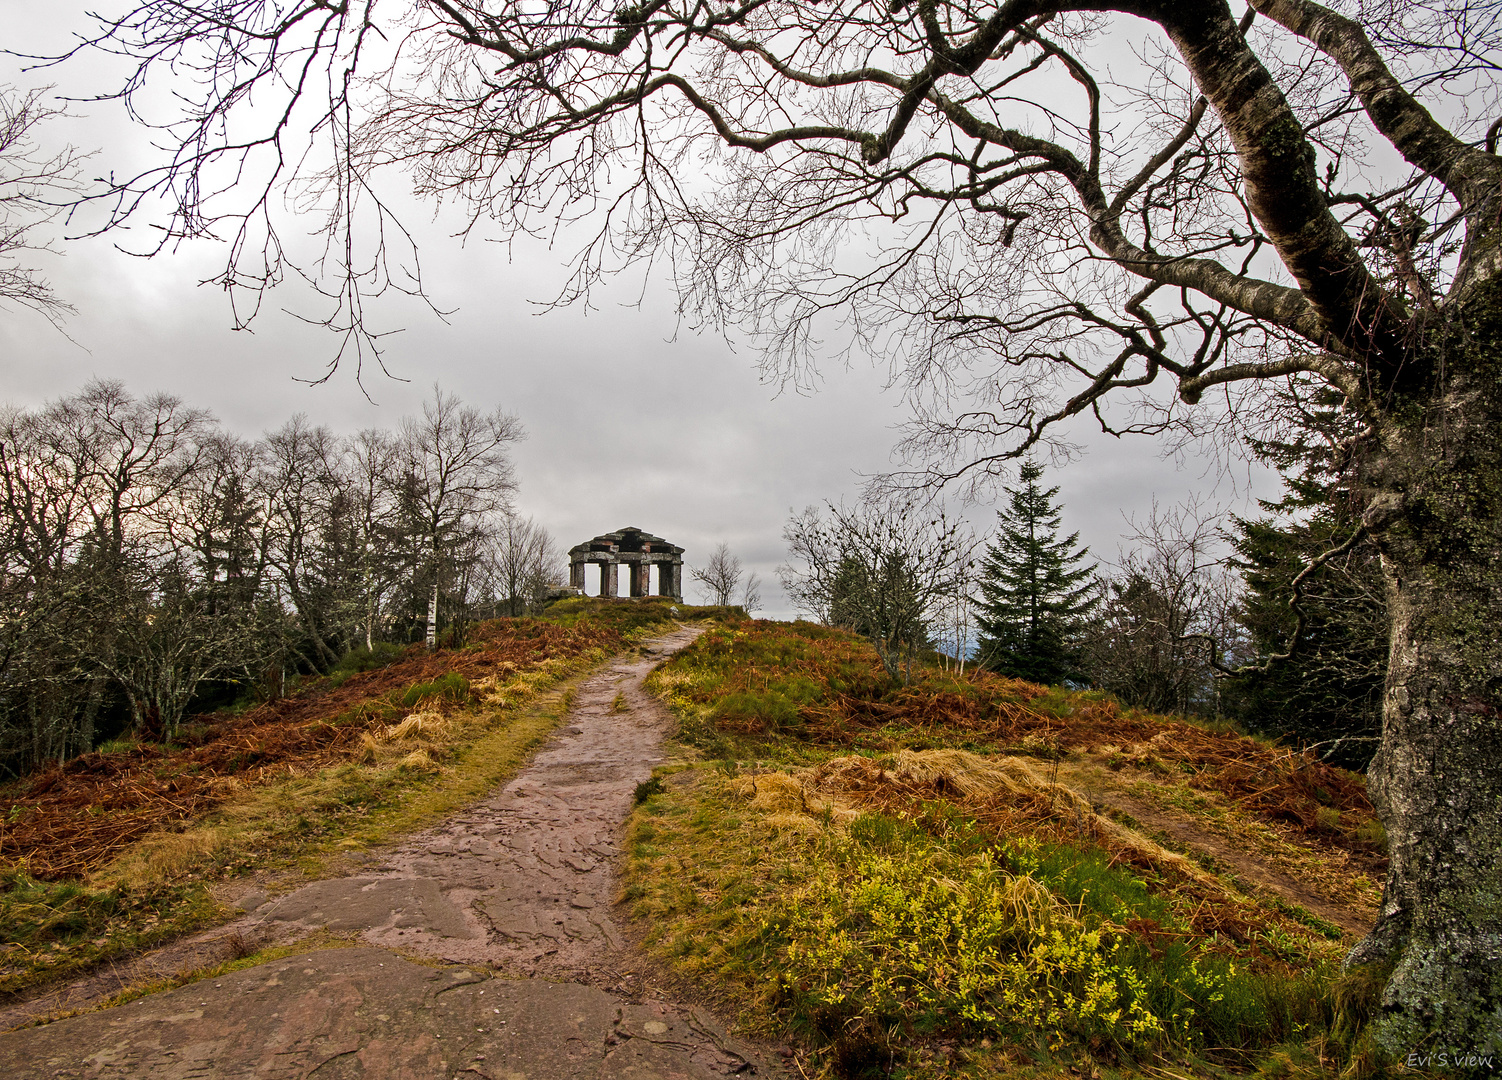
[1034,594]
[1329,692]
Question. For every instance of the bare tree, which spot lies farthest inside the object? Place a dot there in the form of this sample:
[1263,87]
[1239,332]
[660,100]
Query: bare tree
[525,562]
[34,186]
[883,570]
[369,463]
[751,593]
[1170,602]
[1053,221]
[721,576]
[954,625]
[457,472]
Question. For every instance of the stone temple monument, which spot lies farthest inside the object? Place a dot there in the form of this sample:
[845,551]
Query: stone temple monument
[639,551]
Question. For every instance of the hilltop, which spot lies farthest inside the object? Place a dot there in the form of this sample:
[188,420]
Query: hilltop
[138,844]
[966,875]
[954,875]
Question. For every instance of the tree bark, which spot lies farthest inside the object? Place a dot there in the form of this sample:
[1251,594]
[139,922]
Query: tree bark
[432,637]
[1435,494]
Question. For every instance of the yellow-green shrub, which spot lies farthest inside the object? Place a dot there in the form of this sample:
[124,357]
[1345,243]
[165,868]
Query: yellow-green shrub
[910,935]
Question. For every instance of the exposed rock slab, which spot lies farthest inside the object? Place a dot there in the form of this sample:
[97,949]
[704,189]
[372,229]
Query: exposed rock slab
[346,1013]
[375,904]
[525,880]
[522,883]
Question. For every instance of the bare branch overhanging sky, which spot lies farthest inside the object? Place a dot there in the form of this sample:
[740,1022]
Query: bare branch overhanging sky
[631,420]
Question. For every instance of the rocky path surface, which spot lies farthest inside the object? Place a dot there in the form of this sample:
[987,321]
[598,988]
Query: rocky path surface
[519,889]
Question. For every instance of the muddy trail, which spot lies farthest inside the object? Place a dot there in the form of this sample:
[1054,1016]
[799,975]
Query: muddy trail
[488,947]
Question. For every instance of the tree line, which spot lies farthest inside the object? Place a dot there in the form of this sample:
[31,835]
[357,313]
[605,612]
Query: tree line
[152,563]
[1195,618]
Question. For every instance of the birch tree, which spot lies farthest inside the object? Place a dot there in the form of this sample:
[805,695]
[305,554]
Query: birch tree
[457,472]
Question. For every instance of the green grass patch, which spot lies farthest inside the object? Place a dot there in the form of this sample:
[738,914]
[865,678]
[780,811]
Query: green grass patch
[874,944]
[451,687]
[637,617]
[53,929]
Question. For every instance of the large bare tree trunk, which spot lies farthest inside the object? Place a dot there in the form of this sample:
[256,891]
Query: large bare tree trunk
[1437,779]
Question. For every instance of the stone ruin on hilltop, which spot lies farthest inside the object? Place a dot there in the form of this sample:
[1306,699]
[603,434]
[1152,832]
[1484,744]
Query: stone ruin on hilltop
[639,551]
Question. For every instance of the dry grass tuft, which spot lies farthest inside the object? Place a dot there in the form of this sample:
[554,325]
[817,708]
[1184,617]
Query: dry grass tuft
[426,726]
[778,792]
[1029,905]
[162,857]
[788,802]
[418,760]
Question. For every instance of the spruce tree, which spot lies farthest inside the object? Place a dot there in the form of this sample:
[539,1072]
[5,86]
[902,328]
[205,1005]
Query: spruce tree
[1329,691]
[1034,594]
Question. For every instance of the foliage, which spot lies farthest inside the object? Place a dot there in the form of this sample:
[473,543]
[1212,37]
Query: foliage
[802,691]
[1034,597]
[913,934]
[1329,692]
[895,926]
[875,941]
[1328,688]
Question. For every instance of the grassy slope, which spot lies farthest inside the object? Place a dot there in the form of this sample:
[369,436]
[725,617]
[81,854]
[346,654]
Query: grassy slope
[976,876]
[119,851]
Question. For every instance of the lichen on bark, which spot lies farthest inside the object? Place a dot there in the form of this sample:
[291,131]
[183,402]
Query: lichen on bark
[1435,779]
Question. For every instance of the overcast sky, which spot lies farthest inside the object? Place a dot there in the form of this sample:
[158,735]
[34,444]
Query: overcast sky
[631,420]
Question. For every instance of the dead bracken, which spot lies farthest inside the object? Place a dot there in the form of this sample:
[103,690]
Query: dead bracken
[73,818]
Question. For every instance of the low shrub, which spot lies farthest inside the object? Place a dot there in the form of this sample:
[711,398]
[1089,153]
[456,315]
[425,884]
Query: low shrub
[898,933]
[451,687]
[646,789]
[379,655]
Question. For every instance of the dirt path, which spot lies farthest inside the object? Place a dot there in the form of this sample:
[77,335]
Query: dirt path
[520,887]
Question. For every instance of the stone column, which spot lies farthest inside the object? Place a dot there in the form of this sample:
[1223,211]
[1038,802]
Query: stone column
[667,580]
[610,580]
[576,575]
[641,581]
